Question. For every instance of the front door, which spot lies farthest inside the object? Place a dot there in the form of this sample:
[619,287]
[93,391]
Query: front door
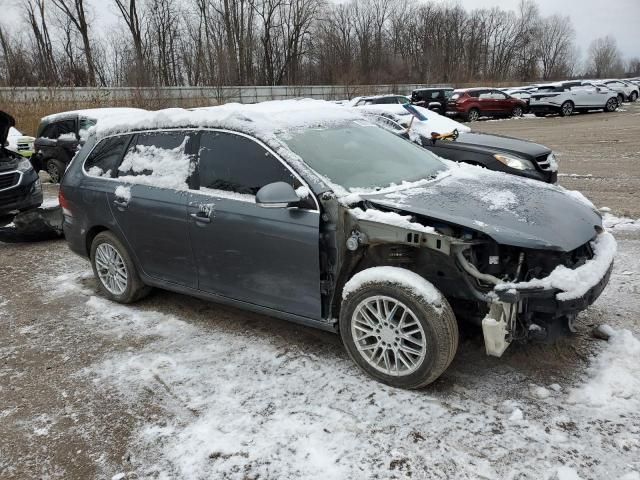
[264,256]
[149,204]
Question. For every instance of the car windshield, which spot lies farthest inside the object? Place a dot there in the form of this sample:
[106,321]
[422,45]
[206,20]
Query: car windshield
[362,155]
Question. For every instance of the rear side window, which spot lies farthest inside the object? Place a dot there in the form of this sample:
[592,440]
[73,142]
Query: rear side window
[478,93]
[104,158]
[56,129]
[158,159]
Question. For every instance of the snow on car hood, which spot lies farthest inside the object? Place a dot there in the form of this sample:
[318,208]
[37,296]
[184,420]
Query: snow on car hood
[503,143]
[513,211]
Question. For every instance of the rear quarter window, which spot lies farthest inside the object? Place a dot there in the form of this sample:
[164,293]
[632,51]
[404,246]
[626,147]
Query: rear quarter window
[158,159]
[105,157]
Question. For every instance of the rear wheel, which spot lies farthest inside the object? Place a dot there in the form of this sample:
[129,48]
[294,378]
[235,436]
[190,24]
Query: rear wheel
[633,97]
[55,169]
[396,336]
[117,276]
[612,105]
[473,115]
[517,111]
[566,109]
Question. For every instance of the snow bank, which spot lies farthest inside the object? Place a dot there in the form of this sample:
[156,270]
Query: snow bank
[614,376]
[167,168]
[611,222]
[397,276]
[574,283]
[390,218]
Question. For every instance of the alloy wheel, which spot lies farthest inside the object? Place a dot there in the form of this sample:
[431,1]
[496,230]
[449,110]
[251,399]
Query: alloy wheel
[473,115]
[567,109]
[517,112]
[53,172]
[388,335]
[612,105]
[111,268]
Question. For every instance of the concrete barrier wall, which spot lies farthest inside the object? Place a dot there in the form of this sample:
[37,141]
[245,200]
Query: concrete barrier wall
[179,95]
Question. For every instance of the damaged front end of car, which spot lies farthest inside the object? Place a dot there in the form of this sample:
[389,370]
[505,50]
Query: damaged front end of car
[513,293]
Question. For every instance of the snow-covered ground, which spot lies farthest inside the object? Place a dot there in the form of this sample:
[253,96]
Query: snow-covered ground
[233,399]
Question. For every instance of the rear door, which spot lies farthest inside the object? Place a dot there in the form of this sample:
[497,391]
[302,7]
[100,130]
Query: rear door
[149,204]
[485,101]
[264,256]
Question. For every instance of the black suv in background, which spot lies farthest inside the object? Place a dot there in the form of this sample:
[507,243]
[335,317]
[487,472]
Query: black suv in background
[20,187]
[432,98]
[59,135]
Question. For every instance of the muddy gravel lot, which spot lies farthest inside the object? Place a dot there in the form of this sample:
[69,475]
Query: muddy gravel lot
[175,387]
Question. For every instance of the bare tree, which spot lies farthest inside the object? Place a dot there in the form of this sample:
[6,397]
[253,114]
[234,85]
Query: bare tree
[604,57]
[555,46]
[129,11]
[75,11]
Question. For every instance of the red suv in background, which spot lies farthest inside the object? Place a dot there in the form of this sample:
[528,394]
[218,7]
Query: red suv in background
[472,103]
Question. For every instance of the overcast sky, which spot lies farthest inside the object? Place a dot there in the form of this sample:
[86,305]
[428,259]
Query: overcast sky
[591,18]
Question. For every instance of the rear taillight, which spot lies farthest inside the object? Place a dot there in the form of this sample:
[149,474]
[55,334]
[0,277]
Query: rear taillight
[64,204]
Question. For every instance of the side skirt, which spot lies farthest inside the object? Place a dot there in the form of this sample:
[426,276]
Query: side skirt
[309,322]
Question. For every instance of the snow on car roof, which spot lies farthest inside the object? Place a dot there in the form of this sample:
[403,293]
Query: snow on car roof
[94,113]
[261,119]
[434,123]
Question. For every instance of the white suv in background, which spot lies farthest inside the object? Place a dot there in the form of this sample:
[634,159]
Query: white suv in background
[566,98]
[626,90]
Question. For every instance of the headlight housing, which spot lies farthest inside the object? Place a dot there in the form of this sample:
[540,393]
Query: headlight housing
[514,162]
[24,165]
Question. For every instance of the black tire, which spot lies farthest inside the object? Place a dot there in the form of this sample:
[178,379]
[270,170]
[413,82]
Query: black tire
[633,97]
[566,109]
[517,111]
[473,115]
[135,289]
[611,105]
[620,99]
[438,323]
[55,169]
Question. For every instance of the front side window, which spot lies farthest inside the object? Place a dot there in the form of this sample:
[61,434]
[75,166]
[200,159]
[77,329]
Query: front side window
[158,159]
[235,165]
[104,158]
[356,155]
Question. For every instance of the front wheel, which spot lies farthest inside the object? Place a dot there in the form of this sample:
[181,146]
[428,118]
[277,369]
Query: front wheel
[117,276]
[55,169]
[396,334]
[517,111]
[612,105]
[566,109]
[633,97]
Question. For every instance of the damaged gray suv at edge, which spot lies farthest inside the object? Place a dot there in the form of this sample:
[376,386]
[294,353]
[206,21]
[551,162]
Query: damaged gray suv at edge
[305,211]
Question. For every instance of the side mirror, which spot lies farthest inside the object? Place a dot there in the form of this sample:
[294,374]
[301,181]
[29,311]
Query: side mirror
[277,195]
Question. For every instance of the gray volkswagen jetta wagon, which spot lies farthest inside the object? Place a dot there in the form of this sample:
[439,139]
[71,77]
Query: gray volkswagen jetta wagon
[305,211]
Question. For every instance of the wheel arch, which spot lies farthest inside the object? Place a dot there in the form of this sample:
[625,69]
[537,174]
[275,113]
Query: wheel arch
[92,234]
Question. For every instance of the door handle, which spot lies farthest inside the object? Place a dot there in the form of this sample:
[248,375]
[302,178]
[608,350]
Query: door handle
[200,217]
[120,203]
